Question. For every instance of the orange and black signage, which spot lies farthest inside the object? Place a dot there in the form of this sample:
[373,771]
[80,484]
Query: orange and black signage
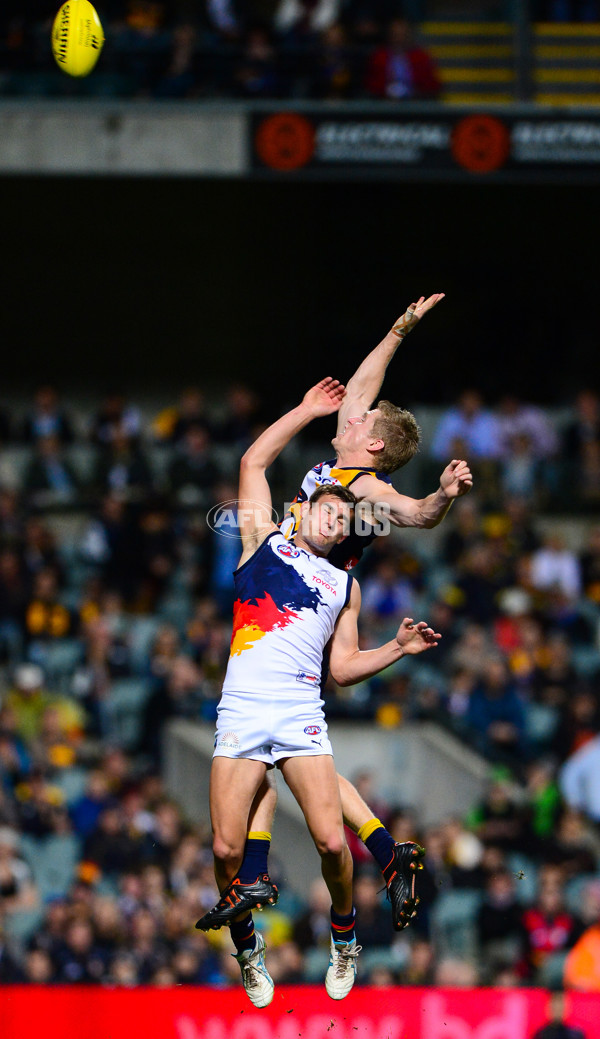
[407,144]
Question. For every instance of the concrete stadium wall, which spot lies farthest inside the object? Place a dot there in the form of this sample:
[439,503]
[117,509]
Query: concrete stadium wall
[417,766]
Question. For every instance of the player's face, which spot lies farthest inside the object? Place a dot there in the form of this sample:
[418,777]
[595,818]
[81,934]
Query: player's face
[357,434]
[325,523]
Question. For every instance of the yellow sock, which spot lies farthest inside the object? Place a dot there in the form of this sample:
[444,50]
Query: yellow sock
[258,835]
[368,828]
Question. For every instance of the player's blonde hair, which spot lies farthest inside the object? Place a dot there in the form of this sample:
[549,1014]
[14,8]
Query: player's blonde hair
[400,433]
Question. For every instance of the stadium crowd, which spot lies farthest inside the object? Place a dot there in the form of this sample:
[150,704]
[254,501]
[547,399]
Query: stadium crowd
[258,49]
[115,616]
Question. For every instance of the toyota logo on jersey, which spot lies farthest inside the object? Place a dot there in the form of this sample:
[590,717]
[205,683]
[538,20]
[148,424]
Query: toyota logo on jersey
[328,577]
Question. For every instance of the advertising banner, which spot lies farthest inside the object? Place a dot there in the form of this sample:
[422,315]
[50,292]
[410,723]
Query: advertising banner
[296,1013]
[449,146]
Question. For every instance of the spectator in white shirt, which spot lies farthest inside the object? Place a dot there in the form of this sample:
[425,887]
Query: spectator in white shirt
[516,419]
[554,567]
[580,779]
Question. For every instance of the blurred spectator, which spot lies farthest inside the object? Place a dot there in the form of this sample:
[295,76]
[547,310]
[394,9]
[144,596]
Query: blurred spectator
[29,700]
[386,594]
[116,419]
[334,74]
[11,520]
[580,779]
[110,846]
[79,960]
[465,531]
[46,618]
[572,846]
[180,693]
[400,70]
[47,419]
[49,479]
[225,18]
[111,544]
[548,925]
[193,472]
[17,891]
[581,446]
[39,551]
[178,80]
[516,419]
[582,967]
[13,597]
[313,927]
[557,1028]
[171,424]
[555,567]
[420,967]
[10,971]
[521,471]
[372,917]
[39,969]
[123,469]
[256,73]
[496,714]
[87,809]
[590,566]
[478,582]
[498,819]
[499,918]
[305,17]
[467,430]
[242,415]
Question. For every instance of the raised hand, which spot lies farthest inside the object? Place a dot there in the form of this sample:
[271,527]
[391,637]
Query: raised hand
[414,313]
[416,638]
[325,398]
[456,478]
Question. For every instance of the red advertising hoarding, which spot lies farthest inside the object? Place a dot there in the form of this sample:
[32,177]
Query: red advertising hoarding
[296,1013]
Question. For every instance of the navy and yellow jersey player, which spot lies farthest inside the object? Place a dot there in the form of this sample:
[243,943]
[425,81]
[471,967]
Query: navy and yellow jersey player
[328,474]
[372,443]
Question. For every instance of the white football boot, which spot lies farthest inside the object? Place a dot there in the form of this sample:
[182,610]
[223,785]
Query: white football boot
[255,977]
[342,969]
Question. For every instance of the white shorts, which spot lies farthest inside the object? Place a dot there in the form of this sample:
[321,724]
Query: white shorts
[268,730]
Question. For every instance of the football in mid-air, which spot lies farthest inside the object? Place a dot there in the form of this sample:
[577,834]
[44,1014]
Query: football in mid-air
[77,37]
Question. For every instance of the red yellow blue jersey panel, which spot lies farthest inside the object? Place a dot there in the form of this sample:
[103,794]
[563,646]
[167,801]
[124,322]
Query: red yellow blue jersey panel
[287,602]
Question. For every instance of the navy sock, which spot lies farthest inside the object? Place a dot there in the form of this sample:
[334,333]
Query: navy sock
[381,845]
[242,933]
[255,861]
[342,927]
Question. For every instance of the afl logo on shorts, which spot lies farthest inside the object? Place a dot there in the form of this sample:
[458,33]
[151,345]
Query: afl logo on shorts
[312,730]
[288,550]
[228,739]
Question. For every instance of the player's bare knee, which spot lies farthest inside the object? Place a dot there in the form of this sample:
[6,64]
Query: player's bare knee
[228,853]
[332,844]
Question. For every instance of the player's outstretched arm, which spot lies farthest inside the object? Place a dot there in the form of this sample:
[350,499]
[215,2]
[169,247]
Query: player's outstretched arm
[366,382]
[349,664]
[254,495]
[403,511]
